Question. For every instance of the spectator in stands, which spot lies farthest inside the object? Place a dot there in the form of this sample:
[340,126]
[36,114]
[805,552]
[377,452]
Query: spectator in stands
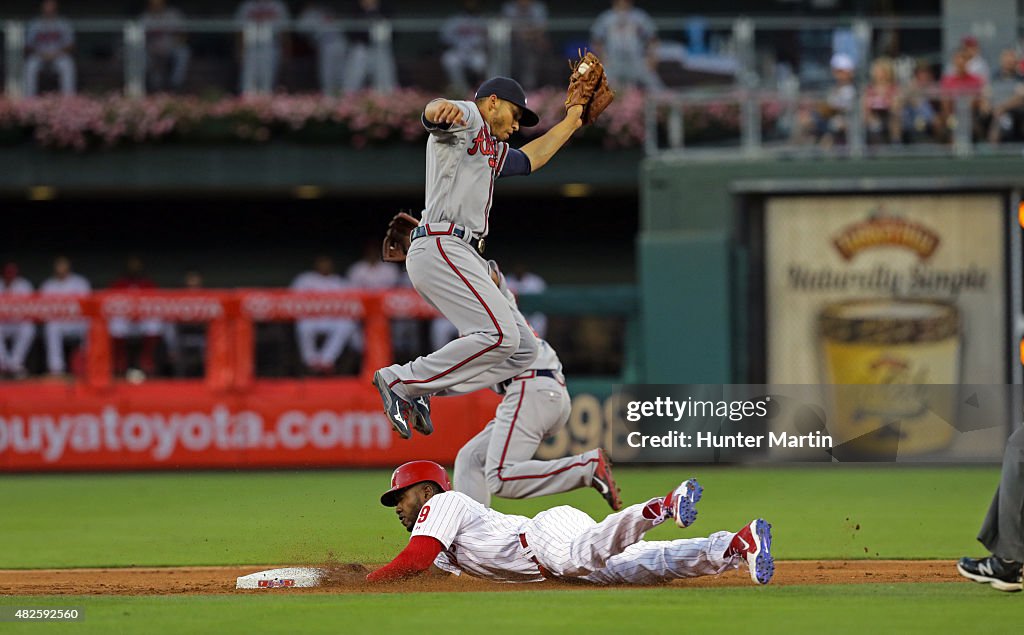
[186,341]
[976,63]
[882,109]
[261,59]
[49,41]
[465,60]
[12,358]
[528,21]
[523,282]
[371,272]
[833,117]
[365,60]
[167,52]
[406,337]
[63,282]
[921,120]
[826,121]
[319,24]
[959,85]
[336,332]
[625,39]
[147,332]
[1005,99]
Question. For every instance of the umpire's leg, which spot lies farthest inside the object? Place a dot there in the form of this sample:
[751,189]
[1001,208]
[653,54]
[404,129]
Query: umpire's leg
[1003,530]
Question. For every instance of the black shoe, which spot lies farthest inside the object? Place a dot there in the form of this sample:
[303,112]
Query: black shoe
[1004,575]
[421,420]
[398,410]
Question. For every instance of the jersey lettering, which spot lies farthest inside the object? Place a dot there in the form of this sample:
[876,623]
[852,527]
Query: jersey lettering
[423,513]
[485,144]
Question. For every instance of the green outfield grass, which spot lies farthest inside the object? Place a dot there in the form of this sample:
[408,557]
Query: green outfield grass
[290,517]
[293,517]
[855,609]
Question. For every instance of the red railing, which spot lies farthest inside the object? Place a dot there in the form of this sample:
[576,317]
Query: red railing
[230,316]
[230,418]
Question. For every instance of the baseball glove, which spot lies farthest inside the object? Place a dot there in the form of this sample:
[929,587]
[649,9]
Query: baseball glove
[588,87]
[397,239]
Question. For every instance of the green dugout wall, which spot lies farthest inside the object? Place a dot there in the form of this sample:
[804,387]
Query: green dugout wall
[691,270]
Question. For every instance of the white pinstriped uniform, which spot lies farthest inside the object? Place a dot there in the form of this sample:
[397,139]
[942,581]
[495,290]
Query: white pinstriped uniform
[463,163]
[566,542]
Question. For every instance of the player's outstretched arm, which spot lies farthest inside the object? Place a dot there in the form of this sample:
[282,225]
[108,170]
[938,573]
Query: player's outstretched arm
[541,149]
[416,558]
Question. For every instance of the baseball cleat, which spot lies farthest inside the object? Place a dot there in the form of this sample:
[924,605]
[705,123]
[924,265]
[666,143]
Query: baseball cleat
[421,421]
[398,410]
[681,503]
[1004,575]
[753,543]
[604,482]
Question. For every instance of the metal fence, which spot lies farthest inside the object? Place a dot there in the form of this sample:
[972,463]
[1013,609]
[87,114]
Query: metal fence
[751,64]
[748,51]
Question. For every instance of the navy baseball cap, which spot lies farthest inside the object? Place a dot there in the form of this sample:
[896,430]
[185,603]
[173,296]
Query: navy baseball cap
[509,89]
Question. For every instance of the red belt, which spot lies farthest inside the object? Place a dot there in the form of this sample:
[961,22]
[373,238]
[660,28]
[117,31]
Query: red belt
[544,572]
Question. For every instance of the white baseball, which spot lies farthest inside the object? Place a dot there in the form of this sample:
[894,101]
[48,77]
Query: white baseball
[582,68]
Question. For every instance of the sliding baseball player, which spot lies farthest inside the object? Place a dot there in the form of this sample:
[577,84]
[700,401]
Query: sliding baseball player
[459,535]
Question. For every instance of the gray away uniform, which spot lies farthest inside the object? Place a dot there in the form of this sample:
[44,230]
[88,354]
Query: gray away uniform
[495,342]
[498,460]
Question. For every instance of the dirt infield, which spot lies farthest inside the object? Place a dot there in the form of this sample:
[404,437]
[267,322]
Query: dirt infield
[349,579]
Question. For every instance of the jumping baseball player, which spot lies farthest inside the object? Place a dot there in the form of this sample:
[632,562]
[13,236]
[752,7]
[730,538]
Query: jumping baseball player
[458,534]
[467,151]
[536,405]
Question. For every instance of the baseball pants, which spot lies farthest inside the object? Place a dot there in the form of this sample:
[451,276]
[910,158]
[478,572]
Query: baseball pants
[1003,530]
[494,343]
[120,327]
[331,65]
[568,543]
[165,70]
[55,333]
[336,332]
[259,68]
[375,62]
[21,333]
[498,460]
[62,64]
[458,62]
